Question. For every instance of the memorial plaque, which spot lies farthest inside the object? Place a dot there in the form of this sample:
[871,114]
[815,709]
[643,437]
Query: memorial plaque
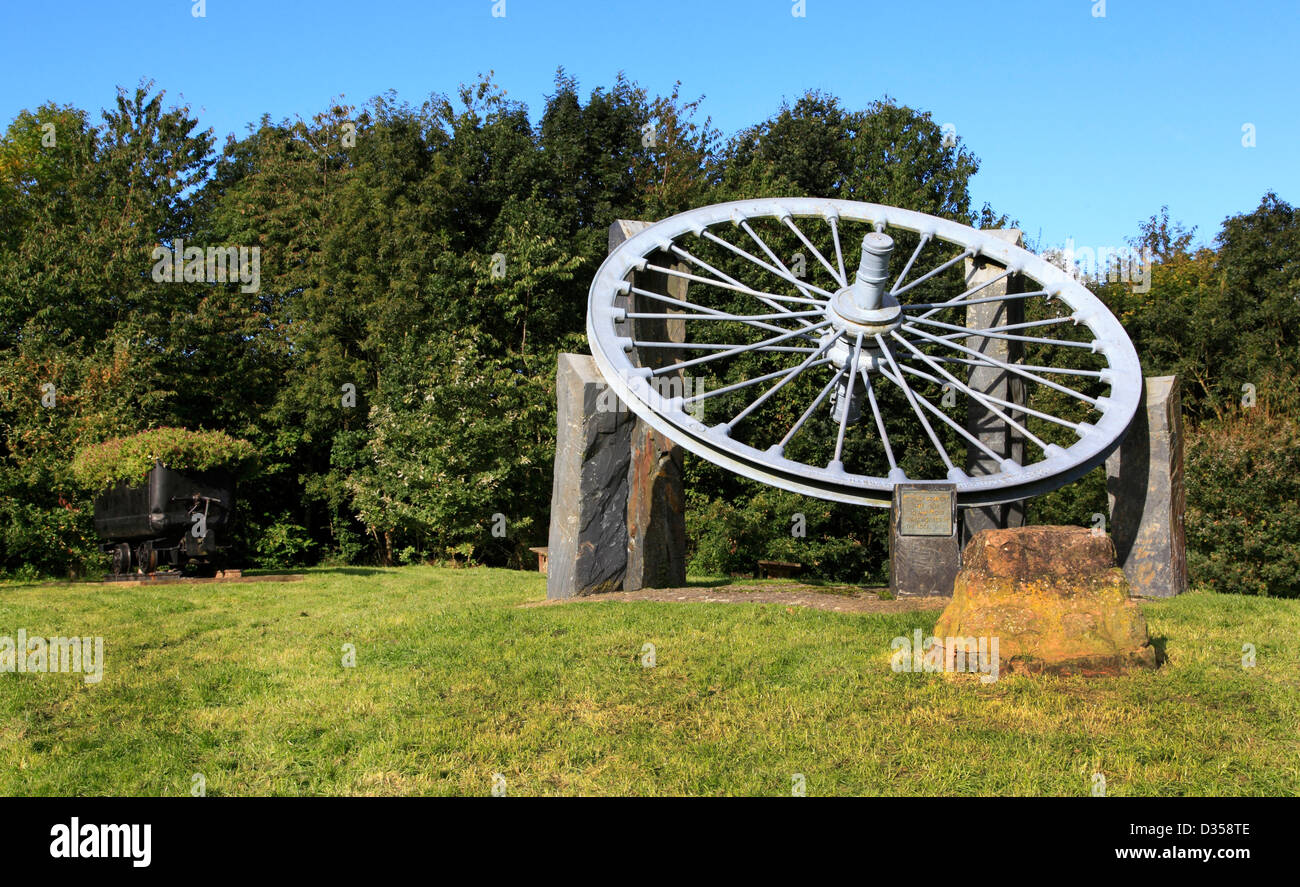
[923,552]
[925,513]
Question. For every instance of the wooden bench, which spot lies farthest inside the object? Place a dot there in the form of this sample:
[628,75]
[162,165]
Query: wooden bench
[777,569]
[541,558]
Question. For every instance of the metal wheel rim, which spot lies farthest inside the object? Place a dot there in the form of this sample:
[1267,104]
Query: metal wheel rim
[610,348]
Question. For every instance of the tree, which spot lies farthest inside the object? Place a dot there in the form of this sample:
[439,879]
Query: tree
[886,153]
[85,334]
[1220,318]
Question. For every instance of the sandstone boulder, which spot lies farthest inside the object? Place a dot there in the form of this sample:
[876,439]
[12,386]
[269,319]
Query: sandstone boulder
[1054,600]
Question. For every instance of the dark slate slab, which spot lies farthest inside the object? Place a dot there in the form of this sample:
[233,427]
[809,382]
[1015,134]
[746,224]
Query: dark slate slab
[1144,483]
[588,533]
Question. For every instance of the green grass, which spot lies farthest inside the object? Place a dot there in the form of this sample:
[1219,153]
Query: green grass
[455,682]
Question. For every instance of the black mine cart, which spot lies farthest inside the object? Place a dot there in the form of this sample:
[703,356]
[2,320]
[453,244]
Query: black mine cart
[169,520]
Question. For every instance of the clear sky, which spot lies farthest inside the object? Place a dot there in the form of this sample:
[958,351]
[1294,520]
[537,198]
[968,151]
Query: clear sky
[1084,124]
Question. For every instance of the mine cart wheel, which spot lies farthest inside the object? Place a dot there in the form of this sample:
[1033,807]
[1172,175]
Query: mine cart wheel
[146,558]
[121,559]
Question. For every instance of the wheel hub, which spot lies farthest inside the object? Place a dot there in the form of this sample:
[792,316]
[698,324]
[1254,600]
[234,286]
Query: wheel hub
[841,352]
[848,318]
[865,307]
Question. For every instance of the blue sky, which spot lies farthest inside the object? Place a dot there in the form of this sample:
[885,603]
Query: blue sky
[1084,125]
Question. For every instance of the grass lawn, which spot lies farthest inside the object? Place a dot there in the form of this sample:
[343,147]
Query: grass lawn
[455,682]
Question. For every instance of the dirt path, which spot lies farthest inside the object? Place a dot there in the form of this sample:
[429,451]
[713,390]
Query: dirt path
[193,580]
[840,600]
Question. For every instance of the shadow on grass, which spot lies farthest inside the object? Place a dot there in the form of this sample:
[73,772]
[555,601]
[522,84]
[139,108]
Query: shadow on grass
[794,582]
[1158,644]
[318,571]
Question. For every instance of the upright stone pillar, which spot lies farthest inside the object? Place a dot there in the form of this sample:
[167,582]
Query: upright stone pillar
[617,501]
[924,555]
[1144,483]
[656,501]
[588,534]
[992,430]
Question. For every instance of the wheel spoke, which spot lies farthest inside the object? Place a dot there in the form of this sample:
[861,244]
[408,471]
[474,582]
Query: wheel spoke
[962,301]
[942,415]
[705,265]
[993,333]
[758,380]
[880,420]
[965,254]
[979,331]
[711,311]
[1095,374]
[839,251]
[787,276]
[779,448]
[911,399]
[1018,407]
[710,346]
[793,373]
[985,400]
[848,401]
[739,318]
[1014,368]
[734,287]
[739,349]
[925,238]
[753,235]
[839,278]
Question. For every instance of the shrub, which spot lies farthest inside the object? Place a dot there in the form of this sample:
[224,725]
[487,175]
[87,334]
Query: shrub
[839,542]
[279,542]
[129,459]
[1243,504]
